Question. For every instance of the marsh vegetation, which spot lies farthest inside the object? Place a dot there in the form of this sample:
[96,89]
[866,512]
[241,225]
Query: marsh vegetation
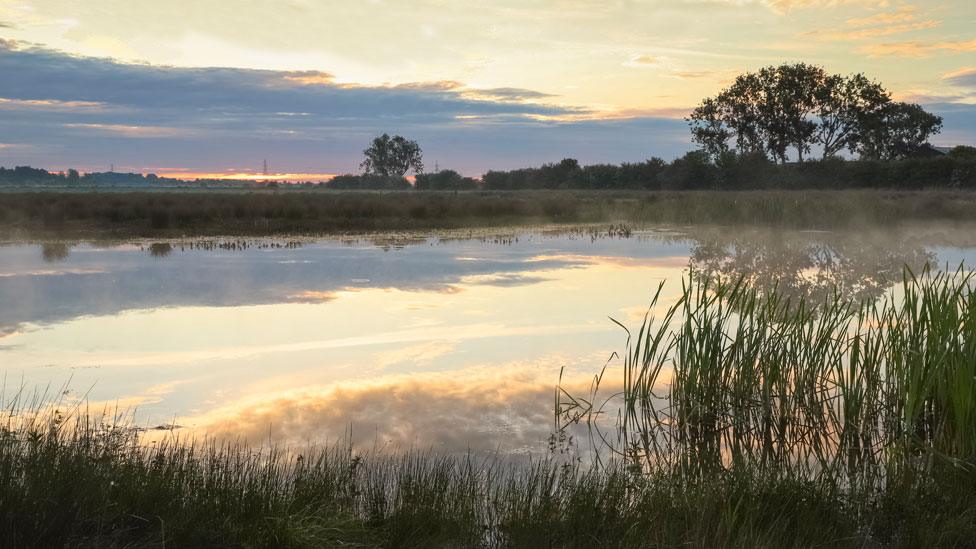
[46,215]
[745,420]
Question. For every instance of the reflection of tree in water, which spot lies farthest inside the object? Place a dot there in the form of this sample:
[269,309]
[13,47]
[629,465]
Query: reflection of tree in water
[55,251]
[160,249]
[860,265]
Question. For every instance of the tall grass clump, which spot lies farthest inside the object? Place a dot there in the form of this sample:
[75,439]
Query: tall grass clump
[872,406]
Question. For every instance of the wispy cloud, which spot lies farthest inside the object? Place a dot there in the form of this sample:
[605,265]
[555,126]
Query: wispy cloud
[918,49]
[50,104]
[132,131]
[900,21]
[905,14]
[785,6]
[414,355]
[642,60]
[872,32]
[964,77]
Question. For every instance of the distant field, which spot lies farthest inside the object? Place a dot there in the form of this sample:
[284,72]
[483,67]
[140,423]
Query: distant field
[52,215]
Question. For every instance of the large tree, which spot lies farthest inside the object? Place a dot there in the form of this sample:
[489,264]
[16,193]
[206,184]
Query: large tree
[843,104]
[896,131]
[392,156]
[798,107]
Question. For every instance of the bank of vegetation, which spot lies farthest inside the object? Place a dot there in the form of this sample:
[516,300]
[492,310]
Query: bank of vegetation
[745,421]
[50,215]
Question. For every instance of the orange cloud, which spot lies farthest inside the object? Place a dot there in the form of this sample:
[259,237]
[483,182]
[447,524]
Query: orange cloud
[958,75]
[904,15]
[873,26]
[311,78]
[918,49]
[874,32]
[789,5]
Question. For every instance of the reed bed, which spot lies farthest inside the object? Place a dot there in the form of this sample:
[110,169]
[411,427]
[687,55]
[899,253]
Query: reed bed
[866,402]
[109,215]
[746,420]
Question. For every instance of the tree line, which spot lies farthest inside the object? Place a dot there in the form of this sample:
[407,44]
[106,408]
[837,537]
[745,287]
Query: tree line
[749,136]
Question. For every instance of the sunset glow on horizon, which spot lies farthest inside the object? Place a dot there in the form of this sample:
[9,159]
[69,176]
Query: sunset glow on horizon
[248,176]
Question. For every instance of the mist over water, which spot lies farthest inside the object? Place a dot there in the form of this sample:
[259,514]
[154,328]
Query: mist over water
[453,342]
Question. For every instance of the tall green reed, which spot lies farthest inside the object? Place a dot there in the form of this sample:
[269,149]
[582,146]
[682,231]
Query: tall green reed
[854,396]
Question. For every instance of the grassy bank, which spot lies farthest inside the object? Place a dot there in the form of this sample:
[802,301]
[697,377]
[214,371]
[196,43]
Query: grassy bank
[783,425]
[115,215]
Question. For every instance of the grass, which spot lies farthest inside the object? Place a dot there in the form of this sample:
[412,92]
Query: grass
[746,420]
[52,215]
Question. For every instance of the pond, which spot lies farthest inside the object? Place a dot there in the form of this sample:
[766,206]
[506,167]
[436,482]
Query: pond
[452,341]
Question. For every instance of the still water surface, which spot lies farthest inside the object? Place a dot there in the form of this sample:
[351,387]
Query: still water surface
[452,341]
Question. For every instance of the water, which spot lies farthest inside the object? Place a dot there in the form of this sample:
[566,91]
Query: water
[453,342]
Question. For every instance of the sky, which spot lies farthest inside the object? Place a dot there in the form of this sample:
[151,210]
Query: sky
[193,88]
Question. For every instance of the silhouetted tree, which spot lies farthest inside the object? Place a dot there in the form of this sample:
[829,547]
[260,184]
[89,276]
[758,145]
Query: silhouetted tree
[73,176]
[896,131]
[444,180]
[709,128]
[392,156]
[842,106]
[800,106]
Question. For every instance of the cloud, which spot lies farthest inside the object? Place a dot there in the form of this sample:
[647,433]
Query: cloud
[906,14]
[785,6]
[49,104]
[414,355]
[872,32]
[132,131]
[83,112]
[918,49]
[901,21]
[506,94]
[964,77]
[676,113]
[53,272]
[504,280]
[789,5]
[642,60]
[438,85]
[310,78]
[692,74]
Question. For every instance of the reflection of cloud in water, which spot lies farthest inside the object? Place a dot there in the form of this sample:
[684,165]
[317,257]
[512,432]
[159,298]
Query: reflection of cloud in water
[126,278]
[419,354]
[422,334]
[505,407]
[151,395]
[677,261]
[53,272]
[503,280]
